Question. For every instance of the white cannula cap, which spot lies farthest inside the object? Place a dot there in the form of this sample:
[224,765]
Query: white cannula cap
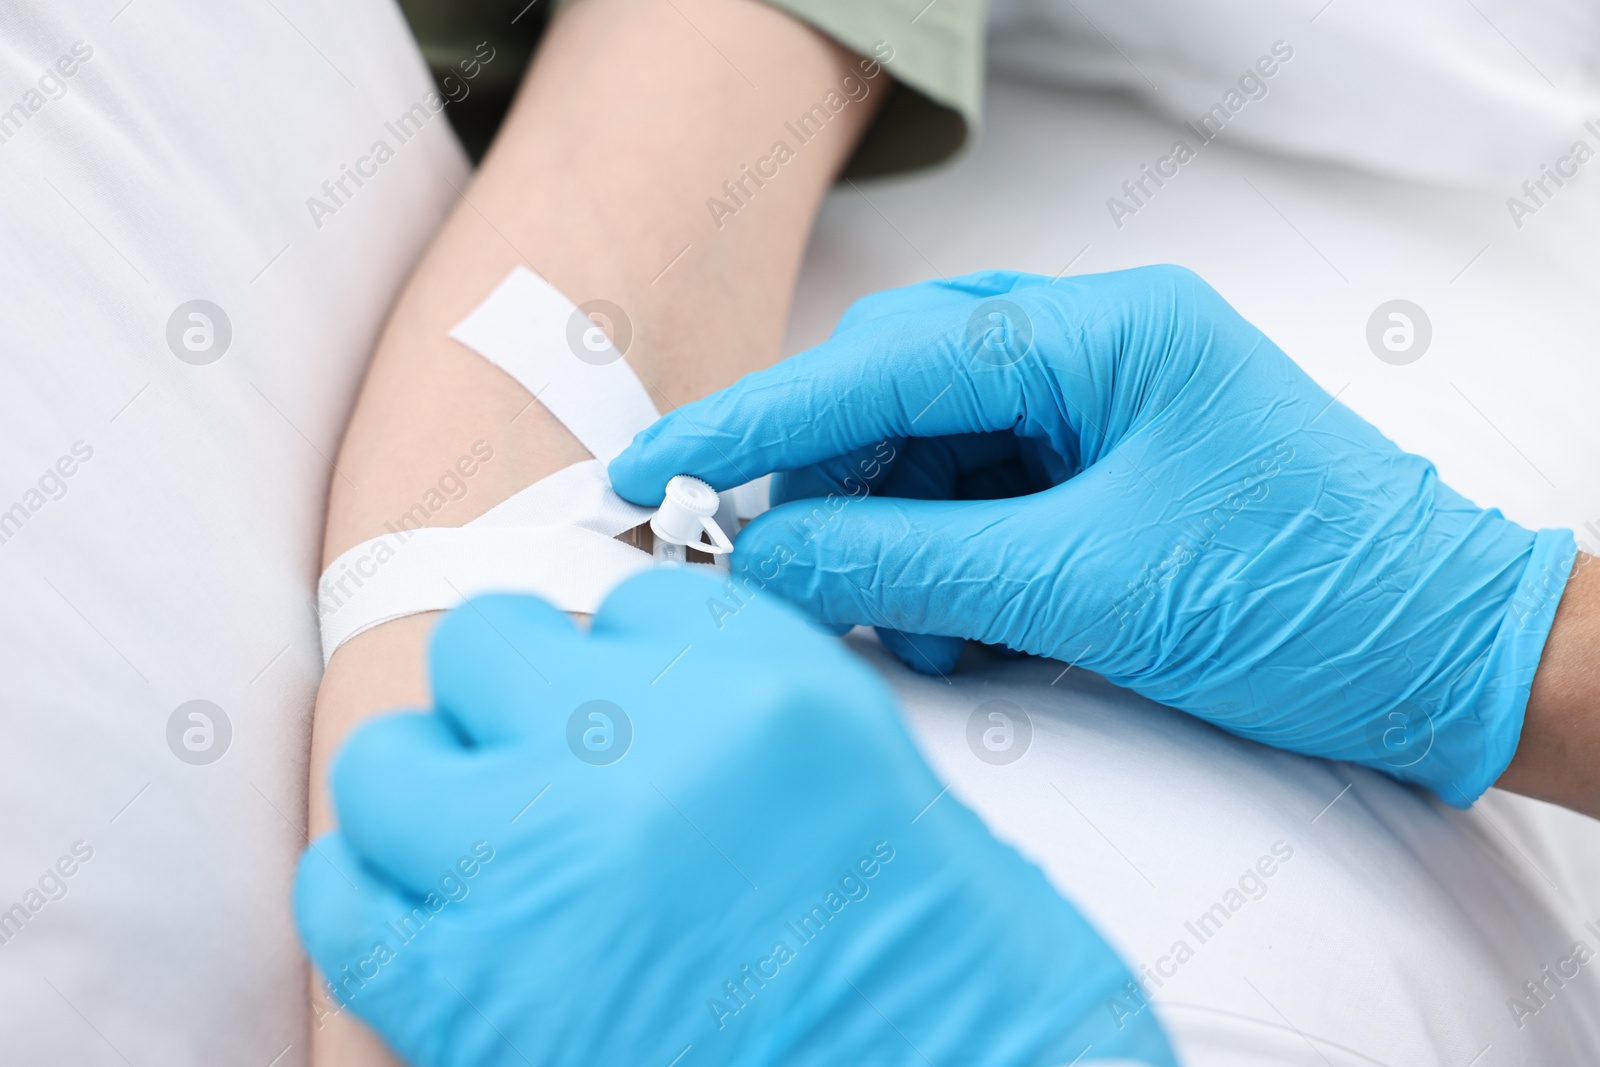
[689,511]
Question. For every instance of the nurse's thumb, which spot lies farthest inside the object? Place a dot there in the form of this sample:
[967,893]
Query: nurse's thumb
[920,567]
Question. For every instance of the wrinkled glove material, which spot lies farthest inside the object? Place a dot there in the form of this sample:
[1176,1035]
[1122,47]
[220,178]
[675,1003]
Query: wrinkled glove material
[1120,472]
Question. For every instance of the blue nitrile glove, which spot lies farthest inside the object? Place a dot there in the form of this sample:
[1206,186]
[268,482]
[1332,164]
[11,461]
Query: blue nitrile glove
[662,842]
[1120,472]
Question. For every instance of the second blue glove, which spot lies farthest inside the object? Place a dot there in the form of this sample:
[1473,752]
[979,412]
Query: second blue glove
[666,841]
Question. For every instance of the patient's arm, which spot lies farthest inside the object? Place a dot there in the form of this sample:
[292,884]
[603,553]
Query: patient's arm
[1558,758]
[636,112]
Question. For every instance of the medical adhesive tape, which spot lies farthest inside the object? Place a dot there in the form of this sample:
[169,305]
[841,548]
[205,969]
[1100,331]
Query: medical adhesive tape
[579,495]
[554,539]
[437,567]
[526,327]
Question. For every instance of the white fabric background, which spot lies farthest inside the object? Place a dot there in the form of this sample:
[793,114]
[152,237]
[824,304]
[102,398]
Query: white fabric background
[1477,94]
[180,562]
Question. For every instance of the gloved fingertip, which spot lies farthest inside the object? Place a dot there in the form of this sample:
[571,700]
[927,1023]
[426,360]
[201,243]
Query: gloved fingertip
[636,475]
[326,900]
[988,282]
[369,756]
[658,600]
[831,629]
[923,653]
[488,623]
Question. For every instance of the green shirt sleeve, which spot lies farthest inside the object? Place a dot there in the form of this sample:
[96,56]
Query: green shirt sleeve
[455,36]
[933,49]
[935,52]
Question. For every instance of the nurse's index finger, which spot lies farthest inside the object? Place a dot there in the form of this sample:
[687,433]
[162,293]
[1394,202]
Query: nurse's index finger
[860,387]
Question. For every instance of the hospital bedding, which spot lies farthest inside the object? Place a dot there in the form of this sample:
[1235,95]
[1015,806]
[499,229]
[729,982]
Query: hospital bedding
[1336,917]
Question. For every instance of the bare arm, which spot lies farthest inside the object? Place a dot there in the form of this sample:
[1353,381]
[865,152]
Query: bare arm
[635,113]
[1558,758]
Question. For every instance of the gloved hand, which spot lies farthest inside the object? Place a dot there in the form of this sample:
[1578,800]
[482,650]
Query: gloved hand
[662,839]
[1120,472]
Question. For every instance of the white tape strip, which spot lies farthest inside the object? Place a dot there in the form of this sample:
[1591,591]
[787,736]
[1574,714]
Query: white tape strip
[749,499]
[531,331]
[553,539]
[437,567]
[579,495]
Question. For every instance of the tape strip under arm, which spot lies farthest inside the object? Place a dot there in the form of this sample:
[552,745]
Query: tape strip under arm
[437,567]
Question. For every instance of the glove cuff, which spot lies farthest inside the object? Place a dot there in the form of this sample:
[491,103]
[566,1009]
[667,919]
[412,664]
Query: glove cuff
[1498,697]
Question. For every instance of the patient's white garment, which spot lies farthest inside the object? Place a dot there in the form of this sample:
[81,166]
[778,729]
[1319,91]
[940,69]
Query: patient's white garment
[161,488]
[1478,92]
[1278,910]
